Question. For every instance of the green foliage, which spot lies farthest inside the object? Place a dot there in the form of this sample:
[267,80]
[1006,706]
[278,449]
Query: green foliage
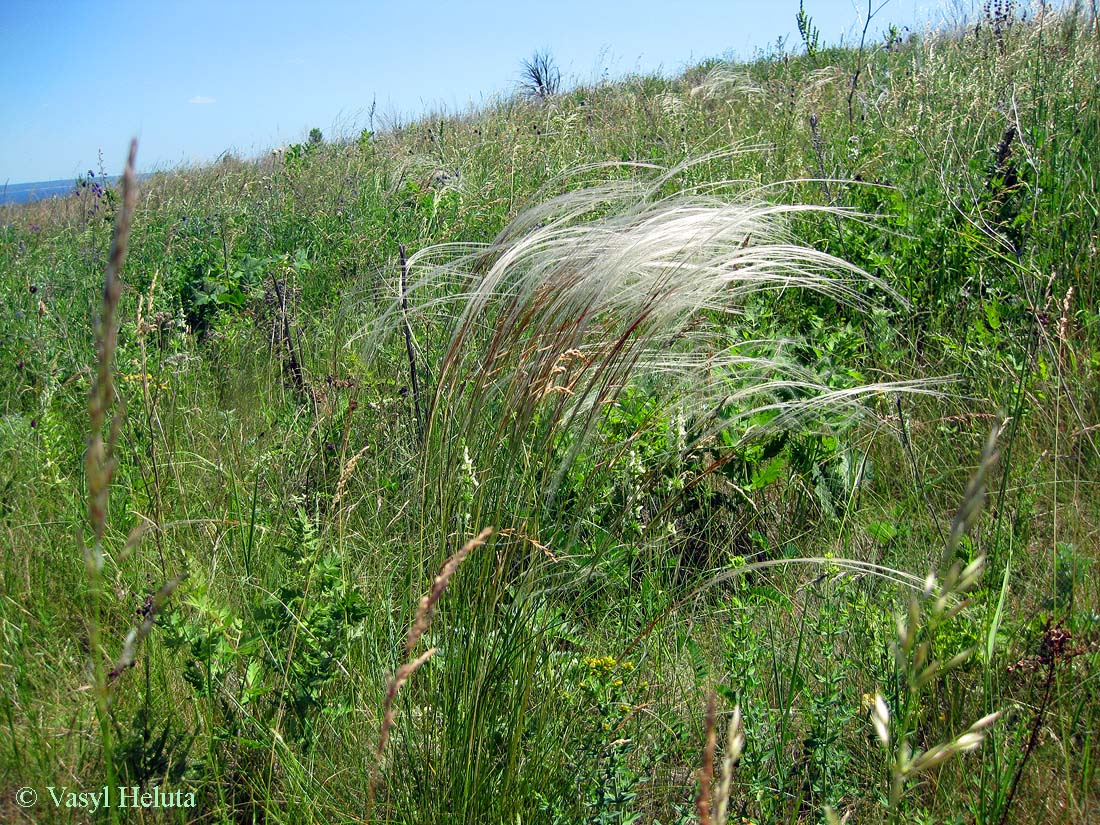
[606,772]
[811,36]
[269,669]
[209,288]
[298,156]
[153,753]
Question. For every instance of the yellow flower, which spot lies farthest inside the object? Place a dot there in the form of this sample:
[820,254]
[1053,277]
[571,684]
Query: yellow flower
[866,702]
[141,378]
[604,663]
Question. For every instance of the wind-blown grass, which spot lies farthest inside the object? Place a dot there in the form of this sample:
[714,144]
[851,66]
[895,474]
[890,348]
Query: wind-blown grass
[624,284]
[612,285]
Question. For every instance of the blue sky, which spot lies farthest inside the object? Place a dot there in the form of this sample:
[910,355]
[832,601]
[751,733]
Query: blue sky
[192,80]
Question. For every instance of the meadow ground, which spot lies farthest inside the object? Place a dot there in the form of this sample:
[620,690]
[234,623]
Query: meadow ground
[776,383]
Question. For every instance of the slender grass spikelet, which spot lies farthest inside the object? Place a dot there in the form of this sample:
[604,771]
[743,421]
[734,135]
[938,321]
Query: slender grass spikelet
[99,458]
[426,610]
[420,625]
[346,474]
[403,674]
[100,461]
[880,718]
[735,745]
[940,600]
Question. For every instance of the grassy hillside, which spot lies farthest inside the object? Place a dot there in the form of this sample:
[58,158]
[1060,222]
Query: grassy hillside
[532,464]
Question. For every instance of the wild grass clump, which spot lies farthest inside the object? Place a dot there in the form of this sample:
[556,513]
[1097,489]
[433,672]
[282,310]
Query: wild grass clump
[632,283]
[421,624]
[602,288]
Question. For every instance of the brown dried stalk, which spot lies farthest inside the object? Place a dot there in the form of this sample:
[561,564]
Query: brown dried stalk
[345,476]
[403,674]
[420,625]
[706,773]
[99,459]
[426,610]
[735,744]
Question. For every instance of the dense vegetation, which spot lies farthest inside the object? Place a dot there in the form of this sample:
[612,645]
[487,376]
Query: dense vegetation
[732,454]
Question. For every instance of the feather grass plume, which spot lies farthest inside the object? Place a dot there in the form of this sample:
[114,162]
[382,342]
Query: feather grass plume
[726,81]
[621,282]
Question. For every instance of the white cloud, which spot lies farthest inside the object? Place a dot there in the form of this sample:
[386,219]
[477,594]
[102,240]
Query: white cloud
[202,100]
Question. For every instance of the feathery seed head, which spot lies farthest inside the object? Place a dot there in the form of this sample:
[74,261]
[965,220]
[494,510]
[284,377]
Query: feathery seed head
[621,272]
[880,718]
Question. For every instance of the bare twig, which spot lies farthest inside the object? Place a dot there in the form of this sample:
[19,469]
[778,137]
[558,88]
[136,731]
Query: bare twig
[859,56]
[293,362]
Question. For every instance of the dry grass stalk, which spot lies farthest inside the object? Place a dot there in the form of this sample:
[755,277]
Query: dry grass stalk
[706,773]
[345,476]
[420,625]
[1067,315]
[941,598]
[973,501]
[403,674]
[426,610]
[735,745]
[99,458]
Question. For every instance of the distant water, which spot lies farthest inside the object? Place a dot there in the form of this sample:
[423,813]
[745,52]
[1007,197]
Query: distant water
[39,190]
[26,192]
